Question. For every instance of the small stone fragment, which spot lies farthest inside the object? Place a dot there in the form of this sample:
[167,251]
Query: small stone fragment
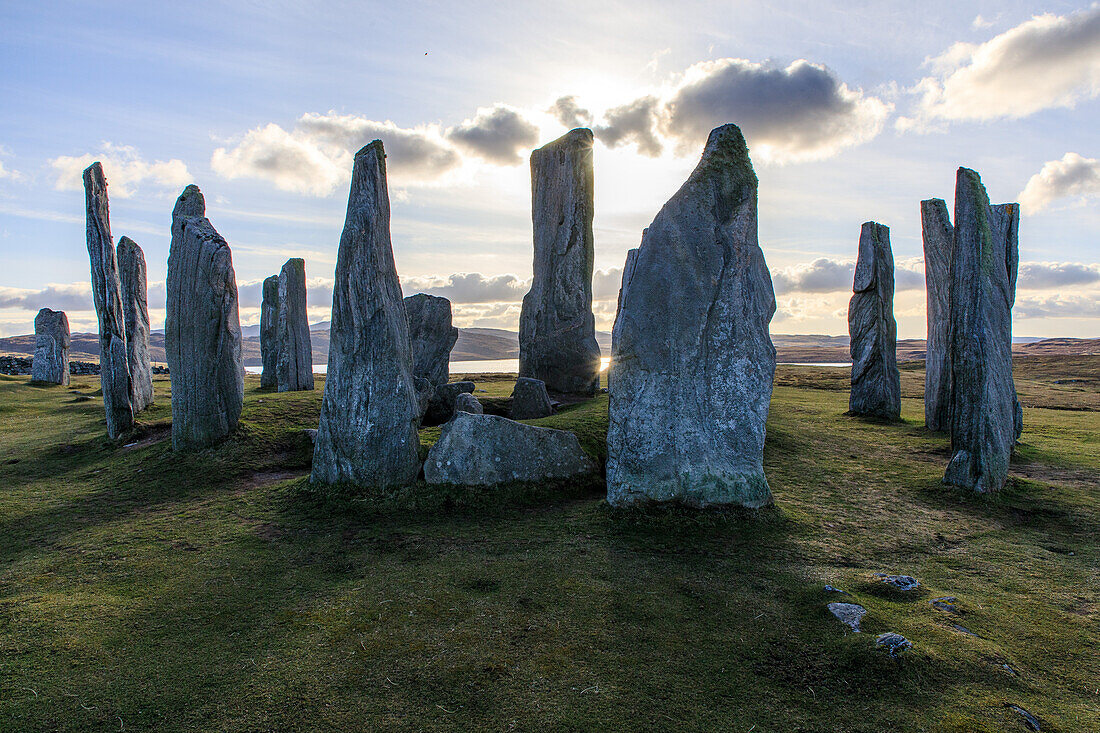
[1029,720]
[269,333]
[530,400]
[135,308]
[947,603]
[876,381]
[963,630]
[893,643]
[901,582]
[466,402]
[51,348]
[294,368]
[832,589]
[441,406]
[431,336]
[484,450]
[849,614]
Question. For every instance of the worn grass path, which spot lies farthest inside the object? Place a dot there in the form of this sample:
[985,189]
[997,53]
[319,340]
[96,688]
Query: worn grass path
[141,590]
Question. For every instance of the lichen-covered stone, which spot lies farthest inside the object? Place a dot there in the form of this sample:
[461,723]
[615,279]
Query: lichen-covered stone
[294,370]
[557,331]
[269,332]
[441,405]
[876,381]
[484,450]
[369,413]
[530,400]
[466,402]
[983,395]
[51,347]
[939,241]
[114,371]
[135,308]
[431,336]
[691,375]
[202,329]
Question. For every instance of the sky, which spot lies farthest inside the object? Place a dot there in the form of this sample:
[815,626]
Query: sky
[853,111]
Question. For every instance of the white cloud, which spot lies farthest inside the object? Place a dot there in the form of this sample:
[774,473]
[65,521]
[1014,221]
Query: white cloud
[291,161]
[1048,61]
[499,134]
[1073,175]
[124,169]
[1058,306]
[469,287]
[9,174]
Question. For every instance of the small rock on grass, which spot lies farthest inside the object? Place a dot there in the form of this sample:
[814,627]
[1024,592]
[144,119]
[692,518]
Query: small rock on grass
[893,643]
[1030,720]
[849,614]
[901,582]
[946,603]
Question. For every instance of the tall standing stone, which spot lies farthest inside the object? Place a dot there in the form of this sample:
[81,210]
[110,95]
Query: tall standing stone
[114,371]
[1006,227]
[983,395]
[269,332]
[202,329]
[691,375]
[876,381]
[431,336]
[51,348]
[369,412]
[557,331]
[939,240]
[295,363]
[135,308]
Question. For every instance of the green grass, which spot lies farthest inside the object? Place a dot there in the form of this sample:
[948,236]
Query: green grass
[144,590]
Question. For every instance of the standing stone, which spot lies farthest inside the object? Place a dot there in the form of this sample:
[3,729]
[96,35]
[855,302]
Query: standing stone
[557,331]
[269,332]
[691,376]
[369,412]
[530,400]
[939,240]
[983,395]
[202,329]
[876,381]
[135,308]
[1006,228]
[114,371]
[295,362]
[51,348]
[441,404]
[431,336]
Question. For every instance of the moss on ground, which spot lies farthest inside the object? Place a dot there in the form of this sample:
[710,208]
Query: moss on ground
[144,590]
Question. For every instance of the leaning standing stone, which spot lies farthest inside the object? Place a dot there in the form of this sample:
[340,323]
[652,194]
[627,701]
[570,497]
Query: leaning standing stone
[114,370]
[983,395]
[202,329]
[691,375]
[269,332]
[295,364]
[135,307]
[939,239]
[369,412]
[51,347]
[876,381]
[431,336]
[557,331]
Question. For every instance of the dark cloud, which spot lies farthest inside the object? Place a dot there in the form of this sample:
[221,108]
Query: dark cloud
[499,135]
[69,297]
[635,123]
[1044,275]
[824,275]
[569,113]
[418,152]
[469,287]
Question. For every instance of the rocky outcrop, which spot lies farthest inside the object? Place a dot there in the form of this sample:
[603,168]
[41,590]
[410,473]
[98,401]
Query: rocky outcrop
[939,240]
[557,331]
[483,450]
[294,370]
[876,381]
[530,400]
[202,329]
[691,376]
[51,347]
[135,309]
[269,333]
[466,402]
[441,405]
[431,336]
[369,413]
[114,374]
[983,394]
[849,614]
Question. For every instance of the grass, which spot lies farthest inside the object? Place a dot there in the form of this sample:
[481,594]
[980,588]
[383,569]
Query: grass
[144,590]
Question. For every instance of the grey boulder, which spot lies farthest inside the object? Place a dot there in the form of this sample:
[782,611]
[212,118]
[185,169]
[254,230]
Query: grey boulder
[466,402]
[431,336]
[876,381]
[269,332]
[441,406]
[294,366]
[530,400]
[114,368]
[367,434]
[557,330]
[893,643]
[51,347]
[483,450]
[849,614]
[202,329]
[691,375]
[135,308]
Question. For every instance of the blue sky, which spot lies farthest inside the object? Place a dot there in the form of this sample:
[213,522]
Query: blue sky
[853,112]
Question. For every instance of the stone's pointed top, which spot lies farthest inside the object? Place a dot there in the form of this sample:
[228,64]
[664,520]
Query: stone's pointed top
[966,179]
[93,174]
[725,154]
[374,146]
[932,202]
[580,138]
[190,203]
[125,243]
